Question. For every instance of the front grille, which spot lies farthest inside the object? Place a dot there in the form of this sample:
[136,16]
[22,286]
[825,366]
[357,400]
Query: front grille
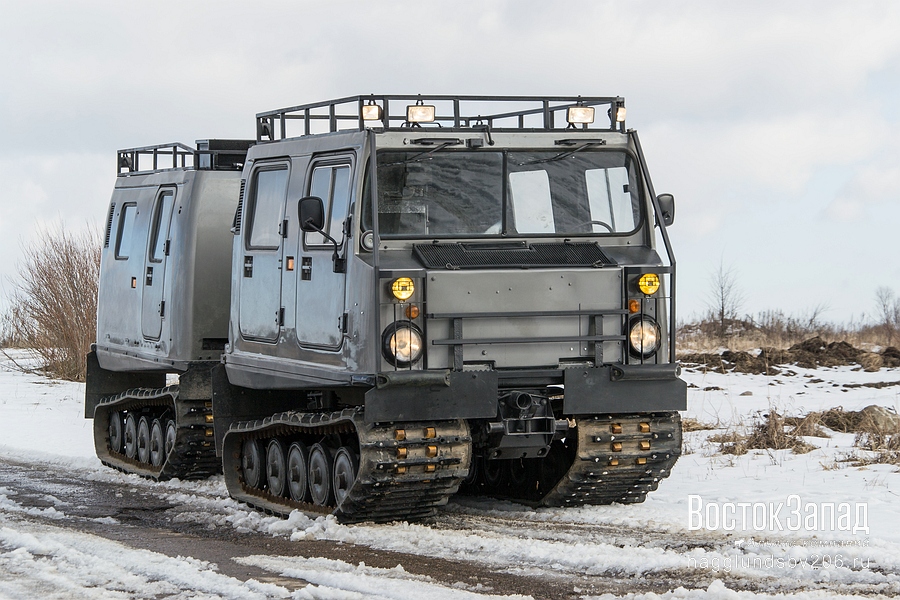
[523,255]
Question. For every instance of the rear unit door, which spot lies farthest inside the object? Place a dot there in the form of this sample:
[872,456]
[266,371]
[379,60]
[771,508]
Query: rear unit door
[263,246]
[320,291]
[153,298]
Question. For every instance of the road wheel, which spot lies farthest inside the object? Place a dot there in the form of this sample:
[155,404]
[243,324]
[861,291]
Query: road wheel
[252,463]
[474,470]
[115,431]
[297,469]
[157,444]
[320,475]
[275,467]
[130,436]
[493,472]
[518,473]
[143,440]
[345,466]
[171,432]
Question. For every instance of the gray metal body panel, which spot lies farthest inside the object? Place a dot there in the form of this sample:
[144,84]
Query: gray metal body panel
[135,330]
[516,291]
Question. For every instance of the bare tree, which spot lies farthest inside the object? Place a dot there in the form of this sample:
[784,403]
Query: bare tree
[724,299]
[53,304]
[887,307]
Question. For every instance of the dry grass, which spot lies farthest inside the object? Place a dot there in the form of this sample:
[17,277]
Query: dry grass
[878,434]
[770,432]
[876,429]
[838,419]
[695,425]
[774,329]
[810,425]
[53,304]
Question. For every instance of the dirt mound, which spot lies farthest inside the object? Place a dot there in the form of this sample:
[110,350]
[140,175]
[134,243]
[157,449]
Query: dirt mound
[811,354]
[891,357]
[815,352]
[741,362]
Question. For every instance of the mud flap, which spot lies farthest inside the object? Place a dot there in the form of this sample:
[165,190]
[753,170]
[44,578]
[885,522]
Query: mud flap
[623,388]
[464,395]
[100,383]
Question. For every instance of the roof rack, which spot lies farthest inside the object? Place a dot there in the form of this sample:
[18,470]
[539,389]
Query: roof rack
[492,113]
[216,155]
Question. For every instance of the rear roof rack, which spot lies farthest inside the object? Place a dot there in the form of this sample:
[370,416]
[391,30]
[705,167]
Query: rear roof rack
[215,155]
[491,113]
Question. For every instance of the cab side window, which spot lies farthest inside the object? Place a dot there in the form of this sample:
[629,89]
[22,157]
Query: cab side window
[161,218]
[331,183]
[265,208]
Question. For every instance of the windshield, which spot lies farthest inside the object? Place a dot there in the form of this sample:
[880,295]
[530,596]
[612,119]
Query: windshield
[488,193]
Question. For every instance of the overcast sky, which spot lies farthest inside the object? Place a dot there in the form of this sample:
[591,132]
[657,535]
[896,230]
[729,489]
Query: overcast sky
[776,125]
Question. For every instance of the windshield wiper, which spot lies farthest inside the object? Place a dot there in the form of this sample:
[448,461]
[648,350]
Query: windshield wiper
[562,155]
[423,155]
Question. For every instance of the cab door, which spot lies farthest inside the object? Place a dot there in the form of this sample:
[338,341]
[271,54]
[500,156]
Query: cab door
[263,245]
[153,298]
[320,290]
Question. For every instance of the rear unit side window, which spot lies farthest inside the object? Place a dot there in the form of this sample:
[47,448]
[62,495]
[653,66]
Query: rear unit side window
[331,183]
[162,215]
[266,207]
[125,232]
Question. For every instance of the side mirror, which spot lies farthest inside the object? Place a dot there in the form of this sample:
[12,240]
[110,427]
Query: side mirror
[667,207]
[312,213]
[312,218]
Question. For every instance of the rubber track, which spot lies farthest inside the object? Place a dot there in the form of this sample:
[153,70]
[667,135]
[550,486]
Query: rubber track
[194,453]
[601,475]
[387,488]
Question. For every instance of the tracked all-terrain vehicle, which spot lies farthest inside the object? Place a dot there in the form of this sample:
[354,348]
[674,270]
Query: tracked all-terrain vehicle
[384,299]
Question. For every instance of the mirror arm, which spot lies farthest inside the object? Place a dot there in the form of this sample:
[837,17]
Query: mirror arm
[340,264]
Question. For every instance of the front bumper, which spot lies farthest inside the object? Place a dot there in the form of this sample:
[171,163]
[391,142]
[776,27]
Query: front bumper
[439,395]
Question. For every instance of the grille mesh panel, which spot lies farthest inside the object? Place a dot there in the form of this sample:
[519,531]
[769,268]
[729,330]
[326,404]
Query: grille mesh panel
[484,256]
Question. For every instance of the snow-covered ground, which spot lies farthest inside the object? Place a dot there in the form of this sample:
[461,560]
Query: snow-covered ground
[836,534]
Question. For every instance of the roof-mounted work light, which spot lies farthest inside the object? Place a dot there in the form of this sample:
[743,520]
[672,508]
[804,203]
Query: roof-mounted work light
[264,128]
[420,113]
[372,112]
[620,114]
[580,115]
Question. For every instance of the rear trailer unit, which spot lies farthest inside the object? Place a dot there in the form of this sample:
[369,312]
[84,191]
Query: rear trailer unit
[165,280]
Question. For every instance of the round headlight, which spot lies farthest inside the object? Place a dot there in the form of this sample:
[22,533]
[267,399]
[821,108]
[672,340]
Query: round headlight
[644,337]
[402,344]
